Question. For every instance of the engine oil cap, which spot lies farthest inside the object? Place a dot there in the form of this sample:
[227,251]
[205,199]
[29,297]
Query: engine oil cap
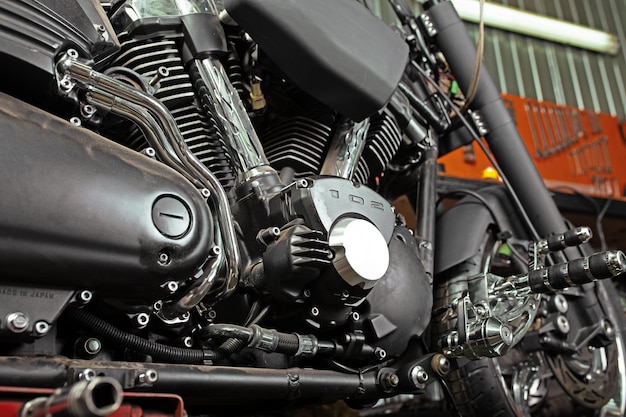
[171,216]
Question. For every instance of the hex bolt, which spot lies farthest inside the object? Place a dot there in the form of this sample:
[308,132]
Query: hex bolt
[389,380]
[101,28]
[380,353]
[150,376]
[172,286]
[419,376]
[164,258]
[149,152]
[87,110]
[42,328]
[85,296]
[18,322]
[608,329]
[92,346]
[141,320]
[87,374]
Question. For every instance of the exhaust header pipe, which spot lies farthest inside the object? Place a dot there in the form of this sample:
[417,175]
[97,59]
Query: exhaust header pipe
[98,397]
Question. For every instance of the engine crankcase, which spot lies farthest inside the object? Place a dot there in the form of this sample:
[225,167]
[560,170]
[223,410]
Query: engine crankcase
[81,212]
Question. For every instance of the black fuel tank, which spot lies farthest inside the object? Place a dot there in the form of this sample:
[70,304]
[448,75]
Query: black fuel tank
[335,50]
[79,211]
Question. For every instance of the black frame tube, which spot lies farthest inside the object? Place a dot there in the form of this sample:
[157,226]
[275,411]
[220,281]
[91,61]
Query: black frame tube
[503,138]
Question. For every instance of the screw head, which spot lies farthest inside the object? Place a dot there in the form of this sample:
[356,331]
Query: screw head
[42,328]
[87,374]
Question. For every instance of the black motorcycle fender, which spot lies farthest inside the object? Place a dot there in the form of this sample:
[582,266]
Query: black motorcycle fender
[79,211]
[461,230]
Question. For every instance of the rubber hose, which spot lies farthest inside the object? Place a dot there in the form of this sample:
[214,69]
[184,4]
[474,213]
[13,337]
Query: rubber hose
[119,337]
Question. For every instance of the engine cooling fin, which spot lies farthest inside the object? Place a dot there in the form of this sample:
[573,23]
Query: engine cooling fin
[382,143]
[178,94]
[299,143]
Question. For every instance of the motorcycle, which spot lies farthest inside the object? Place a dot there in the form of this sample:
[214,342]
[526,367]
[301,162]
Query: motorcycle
[196,220]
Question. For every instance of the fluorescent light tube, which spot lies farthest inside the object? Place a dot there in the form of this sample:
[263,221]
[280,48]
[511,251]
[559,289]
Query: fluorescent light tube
[532,24]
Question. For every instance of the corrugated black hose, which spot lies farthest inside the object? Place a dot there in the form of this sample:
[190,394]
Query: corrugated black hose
[119,337]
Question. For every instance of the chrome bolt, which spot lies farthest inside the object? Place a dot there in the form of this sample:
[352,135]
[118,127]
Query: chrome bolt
[42,328]
[164,258]
[562,324]
[172,286]
[315,311]
[506,334]
[18,322]
[355,316]
[560,303]
[149,152]
[72,53]
[100,28]
[141,320]
[187,341]
[306,293]
[92,346]
[150,376]
[158,305]
[85,296]
[380,353]
[607,327]
[419,376]
[87,110]
[205,193]
[87,374]
[76,121]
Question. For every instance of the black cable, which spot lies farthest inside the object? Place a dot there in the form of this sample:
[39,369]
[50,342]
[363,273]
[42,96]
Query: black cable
[477,138]
[123,339]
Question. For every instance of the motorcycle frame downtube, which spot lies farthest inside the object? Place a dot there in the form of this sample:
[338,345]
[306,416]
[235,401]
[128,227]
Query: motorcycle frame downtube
[503,137]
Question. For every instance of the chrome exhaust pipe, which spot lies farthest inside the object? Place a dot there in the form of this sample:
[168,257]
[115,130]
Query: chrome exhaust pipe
[98,397]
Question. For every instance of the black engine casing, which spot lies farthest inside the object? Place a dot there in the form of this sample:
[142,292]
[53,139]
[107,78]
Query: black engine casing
[80,212]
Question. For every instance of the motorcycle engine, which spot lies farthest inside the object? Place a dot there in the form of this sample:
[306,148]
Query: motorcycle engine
[322,252]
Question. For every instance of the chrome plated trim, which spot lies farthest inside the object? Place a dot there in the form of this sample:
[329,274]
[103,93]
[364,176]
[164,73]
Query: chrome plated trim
[161,131]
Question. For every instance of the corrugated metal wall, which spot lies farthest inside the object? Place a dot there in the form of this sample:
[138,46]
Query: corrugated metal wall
[566,75]
[534,68]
